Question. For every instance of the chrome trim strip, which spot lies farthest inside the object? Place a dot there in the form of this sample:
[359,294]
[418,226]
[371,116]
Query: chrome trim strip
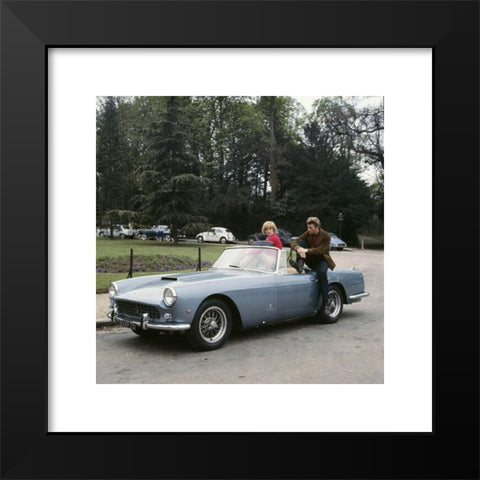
[166,327]
[358,296]
[174,327]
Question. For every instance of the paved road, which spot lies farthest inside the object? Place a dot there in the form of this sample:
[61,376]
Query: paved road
[350,351]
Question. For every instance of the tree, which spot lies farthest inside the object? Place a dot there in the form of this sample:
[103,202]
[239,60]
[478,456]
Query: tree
[228,140]
[109,158]
[355,132]
[237,161]
[272,147]
[171,186]
[328,185]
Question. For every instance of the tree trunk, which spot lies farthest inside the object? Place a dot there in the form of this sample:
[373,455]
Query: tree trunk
[272,151]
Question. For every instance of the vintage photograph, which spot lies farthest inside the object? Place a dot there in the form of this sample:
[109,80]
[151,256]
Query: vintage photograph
[196,351]
[239,240]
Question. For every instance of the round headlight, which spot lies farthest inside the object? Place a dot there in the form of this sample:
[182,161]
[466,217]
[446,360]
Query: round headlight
[169,296]
[112,290]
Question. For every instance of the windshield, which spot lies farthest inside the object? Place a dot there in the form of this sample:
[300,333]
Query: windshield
[261,259]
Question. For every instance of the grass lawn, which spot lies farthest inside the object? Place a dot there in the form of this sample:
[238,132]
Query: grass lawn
[145,252]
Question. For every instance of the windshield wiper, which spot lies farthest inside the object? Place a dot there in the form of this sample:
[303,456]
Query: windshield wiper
[234,266]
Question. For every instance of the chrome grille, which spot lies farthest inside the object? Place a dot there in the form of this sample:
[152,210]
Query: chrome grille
[137,309]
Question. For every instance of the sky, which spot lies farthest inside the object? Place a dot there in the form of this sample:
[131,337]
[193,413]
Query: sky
[307,102]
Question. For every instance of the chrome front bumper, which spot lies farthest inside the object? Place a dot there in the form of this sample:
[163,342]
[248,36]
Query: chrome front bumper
[145,324]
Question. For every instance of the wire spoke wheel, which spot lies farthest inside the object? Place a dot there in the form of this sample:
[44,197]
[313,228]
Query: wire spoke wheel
[334,307]
[213,324]
[334,304]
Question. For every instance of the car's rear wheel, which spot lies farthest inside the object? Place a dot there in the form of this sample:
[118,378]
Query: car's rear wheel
[143,236]
[211,326]
[334,307]
[199,239]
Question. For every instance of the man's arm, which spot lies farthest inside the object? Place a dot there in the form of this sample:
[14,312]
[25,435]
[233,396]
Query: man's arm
[294,245]
[324,246]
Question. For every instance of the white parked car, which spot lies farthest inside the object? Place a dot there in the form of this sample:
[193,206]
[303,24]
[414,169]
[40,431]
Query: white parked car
[119,231]
[216,234]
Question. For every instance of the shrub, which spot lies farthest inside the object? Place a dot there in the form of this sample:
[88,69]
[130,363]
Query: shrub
[147,263]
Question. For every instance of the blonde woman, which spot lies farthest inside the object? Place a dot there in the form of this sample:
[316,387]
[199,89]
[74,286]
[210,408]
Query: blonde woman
[270,230]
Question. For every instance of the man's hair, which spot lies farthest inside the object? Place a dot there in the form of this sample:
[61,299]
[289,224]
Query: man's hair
[314,220]
[269,225]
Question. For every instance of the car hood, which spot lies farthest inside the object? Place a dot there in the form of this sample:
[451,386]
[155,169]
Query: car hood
[191,278]
[147,288]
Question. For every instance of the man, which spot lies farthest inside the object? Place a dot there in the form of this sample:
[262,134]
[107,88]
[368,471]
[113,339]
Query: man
[313,247]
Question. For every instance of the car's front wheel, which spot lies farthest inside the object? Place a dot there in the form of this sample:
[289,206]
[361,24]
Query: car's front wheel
[223,240]
[143,236]
[334,307]
[199,239]
[211,326]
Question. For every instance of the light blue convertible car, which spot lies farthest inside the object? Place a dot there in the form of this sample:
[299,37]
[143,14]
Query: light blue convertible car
[248,286]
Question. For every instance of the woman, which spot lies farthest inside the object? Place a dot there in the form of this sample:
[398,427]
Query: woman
[270,229]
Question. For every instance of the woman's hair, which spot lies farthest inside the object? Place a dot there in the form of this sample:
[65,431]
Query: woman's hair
[269,225]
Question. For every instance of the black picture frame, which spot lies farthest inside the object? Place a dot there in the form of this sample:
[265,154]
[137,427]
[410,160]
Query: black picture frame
[450,28]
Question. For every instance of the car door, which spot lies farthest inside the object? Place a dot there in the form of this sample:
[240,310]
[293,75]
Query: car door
[297,294]
[209,236]
[256,298]
[218,233]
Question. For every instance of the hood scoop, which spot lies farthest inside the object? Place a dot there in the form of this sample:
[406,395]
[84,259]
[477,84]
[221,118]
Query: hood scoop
[173,279]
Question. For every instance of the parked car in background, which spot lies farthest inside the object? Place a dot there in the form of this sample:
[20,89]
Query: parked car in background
[157,232]
[336,243]
[284,235]
[247,287]
[216,234]
[119,231]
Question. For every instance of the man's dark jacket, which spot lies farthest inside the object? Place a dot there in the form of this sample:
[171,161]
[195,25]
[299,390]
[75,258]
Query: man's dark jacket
[321,248]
